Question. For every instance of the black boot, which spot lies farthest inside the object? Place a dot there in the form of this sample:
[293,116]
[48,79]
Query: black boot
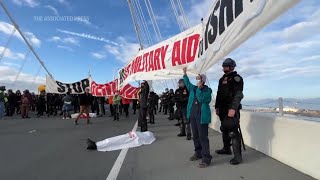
[182,130]
[171,117]
[236,148]
[91,145]
[188,136]
[226,151]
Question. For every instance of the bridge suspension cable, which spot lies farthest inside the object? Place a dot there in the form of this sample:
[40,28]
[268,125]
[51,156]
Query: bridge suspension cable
[25,58]
[136,27]
[176,15]
[24,38]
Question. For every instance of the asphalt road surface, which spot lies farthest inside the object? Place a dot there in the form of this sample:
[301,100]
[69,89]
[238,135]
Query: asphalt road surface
[55,149]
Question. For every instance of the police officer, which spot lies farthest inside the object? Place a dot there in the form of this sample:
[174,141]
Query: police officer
[161,101]
[165,101]
[151,106]
[156,98]
[18,98]
[171,104]
[228,107]
[181,99]
[143,102]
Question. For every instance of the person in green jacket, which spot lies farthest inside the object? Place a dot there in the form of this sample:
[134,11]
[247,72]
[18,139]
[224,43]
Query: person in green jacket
[199,114]
[116,103]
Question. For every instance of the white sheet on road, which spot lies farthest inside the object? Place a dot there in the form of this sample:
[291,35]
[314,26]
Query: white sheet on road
[129,140]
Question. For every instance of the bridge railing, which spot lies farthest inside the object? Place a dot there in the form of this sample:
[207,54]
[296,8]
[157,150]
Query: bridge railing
[289,139]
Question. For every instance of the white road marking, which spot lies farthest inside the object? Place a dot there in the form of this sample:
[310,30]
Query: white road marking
[117,165]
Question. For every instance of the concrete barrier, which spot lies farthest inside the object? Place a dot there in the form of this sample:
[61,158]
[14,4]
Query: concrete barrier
[291,140]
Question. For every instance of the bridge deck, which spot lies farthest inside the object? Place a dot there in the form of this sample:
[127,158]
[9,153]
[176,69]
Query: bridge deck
[52,148]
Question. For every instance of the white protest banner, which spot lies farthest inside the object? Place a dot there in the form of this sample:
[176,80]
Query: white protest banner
[109,89]
[162,60]
[57,87]
[129,140]
[228,24]
[103,90]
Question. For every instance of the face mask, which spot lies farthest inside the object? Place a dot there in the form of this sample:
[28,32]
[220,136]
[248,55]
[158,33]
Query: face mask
[226,70]
[181,84]
[198,81]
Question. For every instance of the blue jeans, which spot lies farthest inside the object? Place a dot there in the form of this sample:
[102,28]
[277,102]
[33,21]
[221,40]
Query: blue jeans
[1,109]
[200,139]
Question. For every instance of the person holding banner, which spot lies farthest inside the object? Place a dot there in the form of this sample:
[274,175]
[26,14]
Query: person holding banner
[126,103]
[85,103]
[116,105]
[228,105]
[67,105]
[110,102]
[143,103]
[199,114]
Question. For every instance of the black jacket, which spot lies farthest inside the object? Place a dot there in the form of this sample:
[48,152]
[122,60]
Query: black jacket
[181,97]
[143,96]
[85,100]
[230,93]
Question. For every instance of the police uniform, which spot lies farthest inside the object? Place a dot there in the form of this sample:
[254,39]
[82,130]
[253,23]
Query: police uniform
[229,96]
[151,106]
[165,102]
[181,99]
[171,104]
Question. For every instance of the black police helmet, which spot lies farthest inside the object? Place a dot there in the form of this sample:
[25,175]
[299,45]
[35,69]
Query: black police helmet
[229,62]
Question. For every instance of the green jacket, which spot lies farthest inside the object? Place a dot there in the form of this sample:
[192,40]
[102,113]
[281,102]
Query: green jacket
[204,97]
[116,100]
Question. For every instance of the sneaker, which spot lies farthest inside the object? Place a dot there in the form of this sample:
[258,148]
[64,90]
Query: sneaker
[91,145]
[181,134]
[194,158]
[203,165]
[224,151]
[178,124]
[67,118]
[63,118]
